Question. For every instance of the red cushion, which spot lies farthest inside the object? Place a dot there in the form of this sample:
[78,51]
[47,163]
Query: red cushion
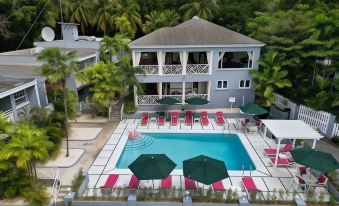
[322,179]
[301,181]
[302,170]
[247,120]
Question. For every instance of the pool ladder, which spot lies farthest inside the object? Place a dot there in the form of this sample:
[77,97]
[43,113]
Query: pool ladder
[243,170]
[224,128]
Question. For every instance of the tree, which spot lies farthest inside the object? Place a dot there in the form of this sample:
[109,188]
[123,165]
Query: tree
[130,9]
[205,9]
[77,11]
[113,45]
[269,79]
[103,14]
[124,26]
[155,20]
[57,67]
[171,17]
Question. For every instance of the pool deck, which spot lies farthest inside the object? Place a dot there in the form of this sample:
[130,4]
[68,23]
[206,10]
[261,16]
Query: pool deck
[266,177]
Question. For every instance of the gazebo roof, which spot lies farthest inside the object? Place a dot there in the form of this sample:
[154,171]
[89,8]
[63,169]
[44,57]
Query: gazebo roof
[291,129]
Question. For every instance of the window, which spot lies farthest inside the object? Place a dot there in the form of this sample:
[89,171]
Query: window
[222,84]
[245,84]
[20,97]
[234,60]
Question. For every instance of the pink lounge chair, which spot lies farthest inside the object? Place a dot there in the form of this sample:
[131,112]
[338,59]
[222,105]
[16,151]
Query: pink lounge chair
[189,184]
[111,181]
[322,181]
[174,118]
[249,185]
[282,161]
[270,152]
[218,186]
[161,118]
[219,118]
[144,119]
[204,118]
[189,118]
[133,183]
[167,183]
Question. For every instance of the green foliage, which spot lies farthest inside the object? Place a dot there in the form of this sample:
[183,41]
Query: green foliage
[205,9]
[114,45]
[156,20]
[37,197]
[76,182]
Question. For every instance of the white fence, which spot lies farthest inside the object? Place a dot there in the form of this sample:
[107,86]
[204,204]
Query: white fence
[335,130]
[316,119]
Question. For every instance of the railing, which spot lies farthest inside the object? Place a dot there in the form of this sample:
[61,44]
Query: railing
[55,176]
[197,69]
[148,99]
[202,96]
[172,69]
[150,69]
[177,97]
[335,130]
[8,115]
[316,119]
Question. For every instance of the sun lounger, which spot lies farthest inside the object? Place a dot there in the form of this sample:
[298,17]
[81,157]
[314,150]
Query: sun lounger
[111,181]
[144,119]
[270,152]
[249,185]
[190,184]
[161,118]
[167,183]
[282,161]
[133,183]
[218,186]
[204,118]
[174,118]
[189,118]
[219,118]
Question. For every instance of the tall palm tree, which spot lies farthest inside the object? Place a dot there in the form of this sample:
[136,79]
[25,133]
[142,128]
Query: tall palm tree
[27,145]
[57,67]
[124,26]
[103,10]
[155,20]
[113,45]
[77,11]
[130,9]
[203,8]
[171,17]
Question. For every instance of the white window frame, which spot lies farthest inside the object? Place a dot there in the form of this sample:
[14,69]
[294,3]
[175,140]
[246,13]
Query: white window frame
[21,97]
[222,84]
[244,87]
[227,69]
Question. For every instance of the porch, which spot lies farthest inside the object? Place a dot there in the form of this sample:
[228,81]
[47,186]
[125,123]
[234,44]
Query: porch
[177,90]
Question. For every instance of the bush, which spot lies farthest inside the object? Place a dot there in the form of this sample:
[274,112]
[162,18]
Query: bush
[76,182]
[335,140]
[129,105]
[39,197]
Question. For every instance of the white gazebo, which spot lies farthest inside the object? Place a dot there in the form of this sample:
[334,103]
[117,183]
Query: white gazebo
[290,129]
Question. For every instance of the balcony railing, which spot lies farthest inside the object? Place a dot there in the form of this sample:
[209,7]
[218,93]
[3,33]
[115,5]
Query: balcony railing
[197,69]
[152,99]
[176,69]
[150,69]
[172,69]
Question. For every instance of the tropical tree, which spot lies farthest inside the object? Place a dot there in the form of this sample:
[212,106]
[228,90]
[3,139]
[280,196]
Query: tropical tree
[155,20]
[112,45]
[130,9]
[103,14]
[6,127]
[77,11]
[57,67]
[124,26]
[268,79]
[205,9]
[171,17]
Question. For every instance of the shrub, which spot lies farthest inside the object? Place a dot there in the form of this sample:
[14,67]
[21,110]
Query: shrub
[76,182]
[39,197]
[129,107]
[335,140]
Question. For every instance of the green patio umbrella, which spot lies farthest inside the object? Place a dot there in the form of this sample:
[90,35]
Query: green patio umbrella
[167,101]
[321,161]
[196,101]
[152,167]
[253,109]
[205,169]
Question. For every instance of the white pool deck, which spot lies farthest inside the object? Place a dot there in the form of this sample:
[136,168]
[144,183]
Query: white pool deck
[266,177]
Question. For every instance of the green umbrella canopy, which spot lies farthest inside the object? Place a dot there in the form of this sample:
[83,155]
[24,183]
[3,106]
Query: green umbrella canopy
[321,161]
[205,169]
[253,109]
[196,101]
[152,166]
[167,101]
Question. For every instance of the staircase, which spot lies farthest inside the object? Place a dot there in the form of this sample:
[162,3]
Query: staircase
[116,112]
[139,143]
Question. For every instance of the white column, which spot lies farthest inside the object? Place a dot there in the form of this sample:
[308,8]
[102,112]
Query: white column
[183,92]
[314,143]
[277,155]
[160,89]
[133,59]
[184,63]
[293,144]
[159,57]
[210,63]
[135,96]
[209,90]
[37,95]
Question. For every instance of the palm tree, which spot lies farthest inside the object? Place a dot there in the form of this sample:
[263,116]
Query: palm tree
[6,127]
[57,67]
[171,17]
[103,13]
[27,145]
[113,45]
[77,11]
[155,20]
[124,26]
[203,8]
[268,79]
[130,9]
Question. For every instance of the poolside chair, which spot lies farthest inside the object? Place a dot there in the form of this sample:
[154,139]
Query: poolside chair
[219,118]
[133,183]
[189,118]
[270,152]
[190,184]
[174,118]
[302,170]
[282,161]
[166,183]
[144,119]
[111,181]
[322,181]
[298,181]
[243,123]
[161,118]
[218,186]
[204,118]
[249,185]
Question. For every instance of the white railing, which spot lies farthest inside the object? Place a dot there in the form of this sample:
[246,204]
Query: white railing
[150,69]
[202,96]
[8,115]
[316,119]
[55,176]
[148,99]
[172,69]
[197,68]
[177,97]
[335,130]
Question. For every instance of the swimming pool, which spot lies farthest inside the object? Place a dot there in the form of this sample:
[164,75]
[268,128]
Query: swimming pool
[182,146]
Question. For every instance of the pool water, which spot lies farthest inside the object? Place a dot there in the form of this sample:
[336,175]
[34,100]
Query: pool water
[179,147]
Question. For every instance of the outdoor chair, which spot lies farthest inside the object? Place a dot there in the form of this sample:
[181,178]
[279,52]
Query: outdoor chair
[322,181]
[144,119]
[133,183]
[190,184]
[270,151]
[166,183]
[189,118]
[298,181]
[161,118]
[219,118]
[110,182]
[249,185]
[218,186]
[204,118]
[174,118]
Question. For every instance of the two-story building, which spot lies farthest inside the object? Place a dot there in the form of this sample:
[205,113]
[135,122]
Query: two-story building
[195,58]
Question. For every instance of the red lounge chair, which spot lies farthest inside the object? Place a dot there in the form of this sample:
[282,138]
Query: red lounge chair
[161,118]
[189,184]
[249,185]
[322,181]
[144,119]
[189,118]
[174,118]
[219,118]
[218,186]
[133,183]
[167,183]
[204,118]
[270,152]
[302,170]
[110,182]
[282,161]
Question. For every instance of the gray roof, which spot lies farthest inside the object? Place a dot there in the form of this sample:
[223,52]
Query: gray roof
[10,83]
[195,31]
[16,71]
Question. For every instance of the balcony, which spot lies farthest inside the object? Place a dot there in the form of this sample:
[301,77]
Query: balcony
[150,69]
[152,99]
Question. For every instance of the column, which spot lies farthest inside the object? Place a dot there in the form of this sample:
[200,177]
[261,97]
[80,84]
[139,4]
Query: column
[159,57]
[160,89]
[277,155]
[184,63]
[210,63]
[293,144]
[209,90]
[15,113]
[133,59]
[314,143]
[183,92]
[135,96]
[37,95]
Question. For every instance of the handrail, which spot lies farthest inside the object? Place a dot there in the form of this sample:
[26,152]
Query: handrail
[122,111]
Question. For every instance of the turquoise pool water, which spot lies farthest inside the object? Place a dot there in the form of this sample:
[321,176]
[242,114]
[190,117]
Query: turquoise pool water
[179,147]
